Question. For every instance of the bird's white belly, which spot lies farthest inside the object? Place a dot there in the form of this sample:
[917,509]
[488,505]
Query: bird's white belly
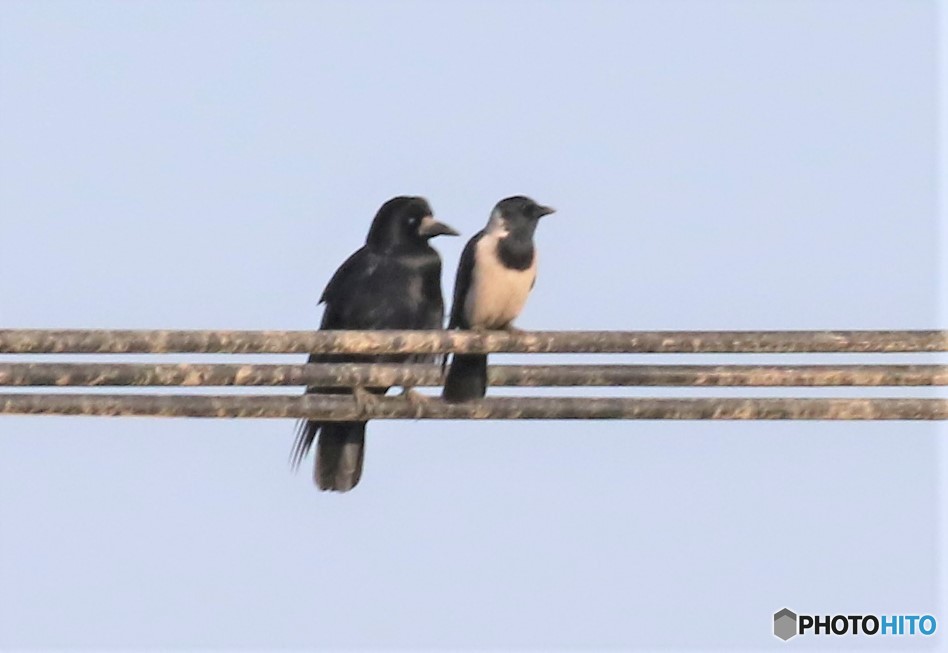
[497,293]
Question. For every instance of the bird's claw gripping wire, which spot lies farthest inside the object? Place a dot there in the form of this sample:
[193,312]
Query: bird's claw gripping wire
[364,399]
[416,399]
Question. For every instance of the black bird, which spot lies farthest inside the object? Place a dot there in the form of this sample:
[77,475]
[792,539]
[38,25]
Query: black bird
[393,282]
[497,271]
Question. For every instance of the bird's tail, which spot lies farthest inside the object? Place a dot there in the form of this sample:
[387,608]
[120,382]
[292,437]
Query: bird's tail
[340,451]
[467,378]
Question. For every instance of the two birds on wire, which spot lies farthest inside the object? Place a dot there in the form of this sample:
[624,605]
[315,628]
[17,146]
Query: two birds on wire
[394,282]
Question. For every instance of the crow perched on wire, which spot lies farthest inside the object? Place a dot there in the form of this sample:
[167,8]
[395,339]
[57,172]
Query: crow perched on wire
[392,282]
[496,274]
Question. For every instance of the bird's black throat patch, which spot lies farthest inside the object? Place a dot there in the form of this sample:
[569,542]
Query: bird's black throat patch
[515,252]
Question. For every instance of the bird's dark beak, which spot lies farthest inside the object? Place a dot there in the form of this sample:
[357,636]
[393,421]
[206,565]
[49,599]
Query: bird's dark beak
[430,228]
[544,210]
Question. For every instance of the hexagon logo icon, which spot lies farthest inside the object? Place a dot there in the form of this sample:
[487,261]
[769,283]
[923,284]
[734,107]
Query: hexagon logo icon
[785,624]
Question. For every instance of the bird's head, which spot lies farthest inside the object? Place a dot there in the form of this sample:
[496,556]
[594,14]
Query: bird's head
[406,221]
[518,214]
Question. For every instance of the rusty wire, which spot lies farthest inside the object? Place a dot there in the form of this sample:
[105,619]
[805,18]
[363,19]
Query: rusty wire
[39,341]
[350,374]
[345,408]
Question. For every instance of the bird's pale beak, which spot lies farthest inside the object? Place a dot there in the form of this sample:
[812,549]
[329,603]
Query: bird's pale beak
[430,227]
[545,210]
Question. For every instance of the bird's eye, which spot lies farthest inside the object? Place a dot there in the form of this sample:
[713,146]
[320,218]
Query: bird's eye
[413,220]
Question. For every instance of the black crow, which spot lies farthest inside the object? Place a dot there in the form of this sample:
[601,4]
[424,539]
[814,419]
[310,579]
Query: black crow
[497,271]
[393,282]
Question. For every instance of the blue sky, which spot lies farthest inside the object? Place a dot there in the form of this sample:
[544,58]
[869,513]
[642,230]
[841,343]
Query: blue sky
[715,165]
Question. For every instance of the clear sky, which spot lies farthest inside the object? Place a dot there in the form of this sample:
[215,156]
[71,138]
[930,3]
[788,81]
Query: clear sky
[715,165]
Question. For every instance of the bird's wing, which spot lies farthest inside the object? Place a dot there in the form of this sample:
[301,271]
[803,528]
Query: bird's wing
[346,302]
[462,282]
[364,293]
[352,268]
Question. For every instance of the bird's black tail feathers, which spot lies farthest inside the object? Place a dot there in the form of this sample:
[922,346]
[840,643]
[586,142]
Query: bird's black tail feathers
[467,378]
[340,451]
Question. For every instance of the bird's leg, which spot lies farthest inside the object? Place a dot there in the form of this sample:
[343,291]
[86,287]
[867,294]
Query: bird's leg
[413,395]
[363,398]
[416,399]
